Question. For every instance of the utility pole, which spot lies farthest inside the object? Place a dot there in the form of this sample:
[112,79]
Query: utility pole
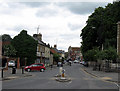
[118,50]
[118,39]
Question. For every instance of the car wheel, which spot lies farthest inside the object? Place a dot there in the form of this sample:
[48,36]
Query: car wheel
[42,70]
[28,70]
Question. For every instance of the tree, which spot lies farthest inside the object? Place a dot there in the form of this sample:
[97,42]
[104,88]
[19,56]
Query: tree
[25,46]
[91,55]
[8,50]
[101,28]
[56,57]
[111,54]
[6,37]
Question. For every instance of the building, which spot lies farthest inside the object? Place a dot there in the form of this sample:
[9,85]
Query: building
[51,58]
[47,55]
[43,51]
[74,53]
[40,48]
[61,53]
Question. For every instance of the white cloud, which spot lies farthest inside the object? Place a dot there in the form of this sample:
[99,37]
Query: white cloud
[57,24]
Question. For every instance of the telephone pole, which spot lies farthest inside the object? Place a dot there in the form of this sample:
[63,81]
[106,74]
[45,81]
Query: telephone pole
[118,39]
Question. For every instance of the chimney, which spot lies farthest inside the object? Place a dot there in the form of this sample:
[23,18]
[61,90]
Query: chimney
[118,38]
[38,36]
[55,46]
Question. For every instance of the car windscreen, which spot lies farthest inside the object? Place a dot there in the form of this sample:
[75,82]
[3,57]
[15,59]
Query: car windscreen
[40,64]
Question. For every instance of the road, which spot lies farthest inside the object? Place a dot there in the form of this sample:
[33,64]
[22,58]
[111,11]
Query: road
[46,80]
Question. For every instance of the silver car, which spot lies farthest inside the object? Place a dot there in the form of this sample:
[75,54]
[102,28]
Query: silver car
[11,63]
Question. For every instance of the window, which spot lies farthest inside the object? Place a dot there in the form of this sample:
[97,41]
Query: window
[34,65]
[40,64]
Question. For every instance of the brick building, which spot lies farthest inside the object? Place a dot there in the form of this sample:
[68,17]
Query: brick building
[74,53]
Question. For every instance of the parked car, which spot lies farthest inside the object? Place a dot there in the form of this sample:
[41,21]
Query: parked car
[70,62]
[59,64]
[11,63]
[36,66]
[76,61]
[81,62]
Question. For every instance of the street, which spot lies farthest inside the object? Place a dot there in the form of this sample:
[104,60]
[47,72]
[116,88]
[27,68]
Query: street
[46,80]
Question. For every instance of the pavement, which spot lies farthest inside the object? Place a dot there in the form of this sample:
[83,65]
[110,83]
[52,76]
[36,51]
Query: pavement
[106,76]
[7,74]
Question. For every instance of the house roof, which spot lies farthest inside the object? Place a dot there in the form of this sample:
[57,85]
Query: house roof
[74,48]
[40,42]
[53,51]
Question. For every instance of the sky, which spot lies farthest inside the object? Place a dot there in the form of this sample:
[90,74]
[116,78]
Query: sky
[59,22]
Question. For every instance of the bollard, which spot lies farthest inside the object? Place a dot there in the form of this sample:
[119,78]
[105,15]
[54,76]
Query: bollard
[63,73]
[2,73]
[51,66]
[13,70]
[22,70]
[60,70]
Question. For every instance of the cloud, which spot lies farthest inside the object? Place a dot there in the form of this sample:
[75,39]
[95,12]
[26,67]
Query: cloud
[74,26]
[60,23]
[81,7]
[35,4]
[47,11]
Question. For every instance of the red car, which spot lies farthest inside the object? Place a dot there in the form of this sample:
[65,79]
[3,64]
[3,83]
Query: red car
[36,66]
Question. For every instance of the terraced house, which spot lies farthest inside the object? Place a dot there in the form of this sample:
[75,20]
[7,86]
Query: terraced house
[43,51]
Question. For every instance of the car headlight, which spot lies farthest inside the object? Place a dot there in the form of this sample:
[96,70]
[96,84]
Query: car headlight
[26,67]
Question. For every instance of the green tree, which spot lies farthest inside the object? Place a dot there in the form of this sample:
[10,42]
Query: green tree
[91,55]
[101,28]
[111,54]
[101,55]
[6,37]
[25,46]
[56,57]
[9,50]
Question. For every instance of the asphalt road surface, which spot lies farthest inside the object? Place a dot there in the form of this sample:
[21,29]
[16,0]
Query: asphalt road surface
[46,80]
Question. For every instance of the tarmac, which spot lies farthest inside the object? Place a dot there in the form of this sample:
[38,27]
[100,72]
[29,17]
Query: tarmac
[106,76]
